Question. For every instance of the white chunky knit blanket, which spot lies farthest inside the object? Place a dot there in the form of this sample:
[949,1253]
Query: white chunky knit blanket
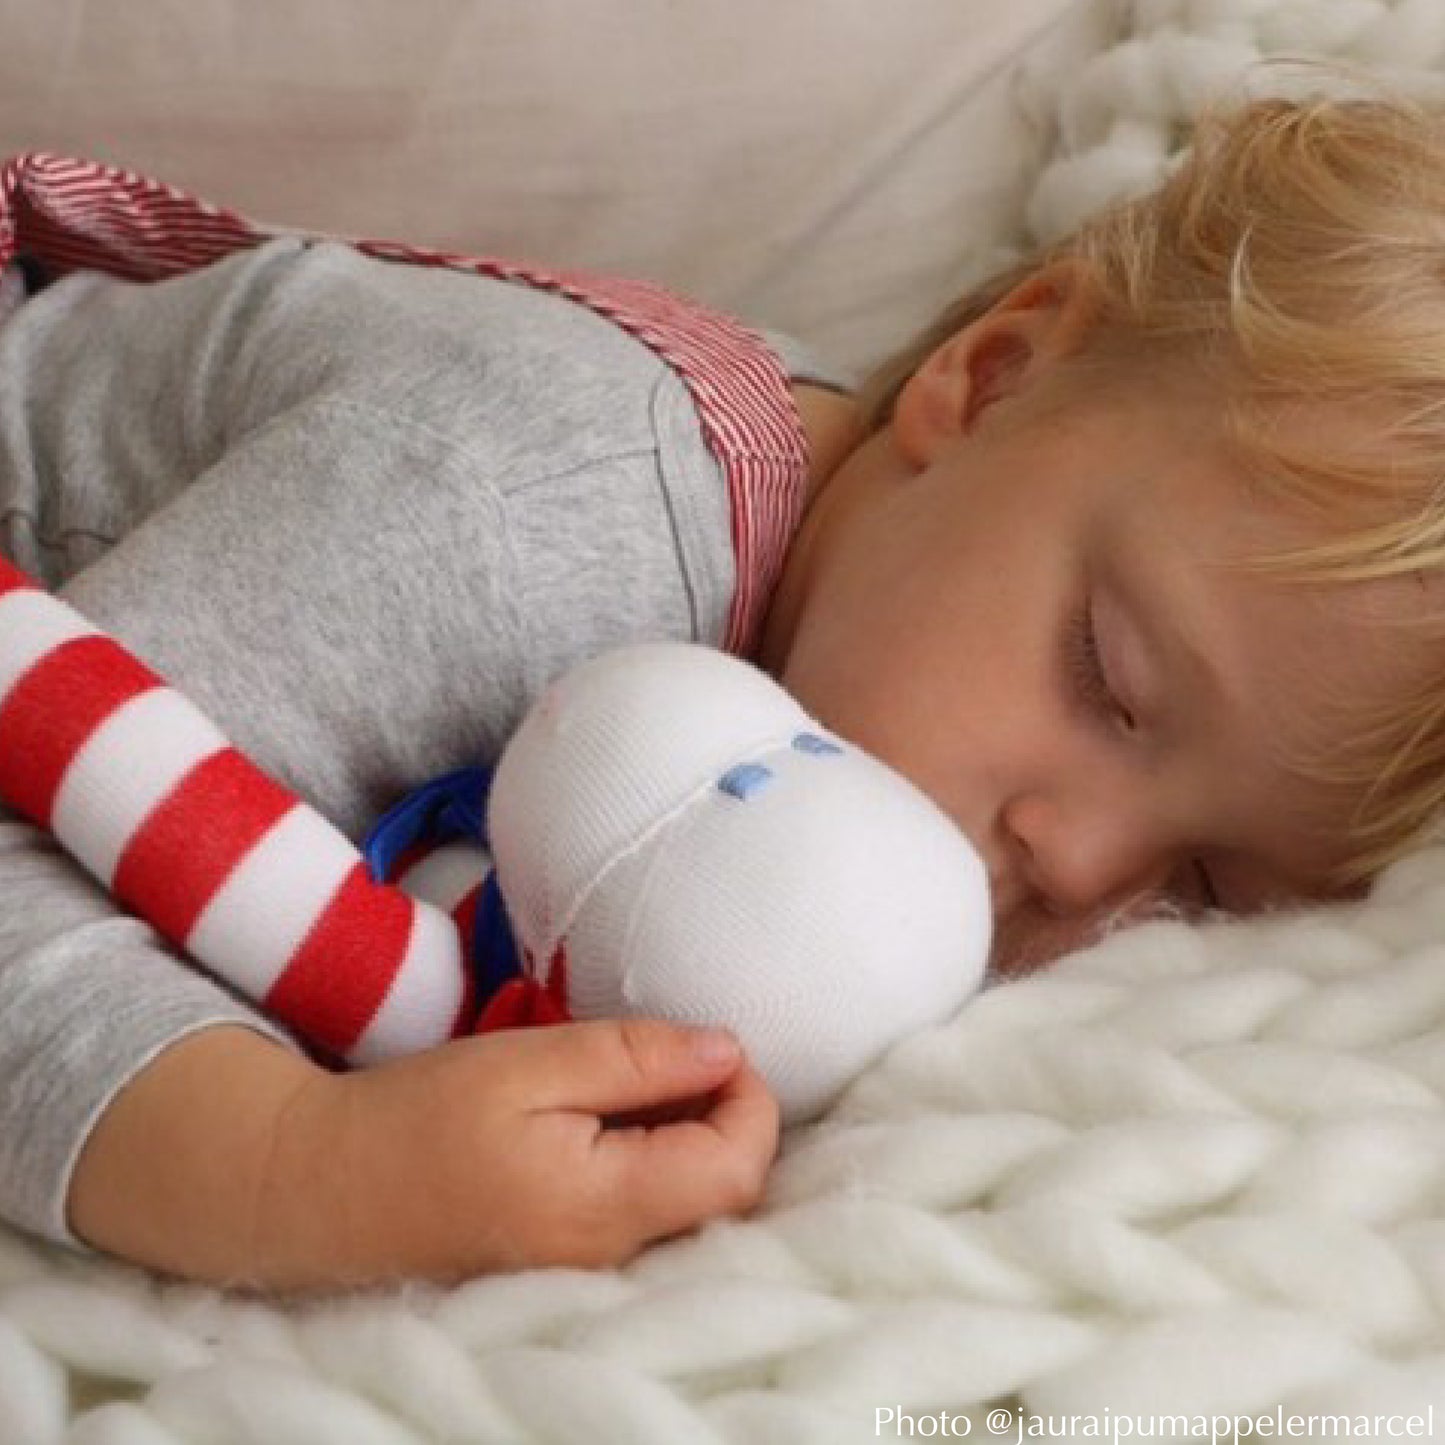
[1193,1173]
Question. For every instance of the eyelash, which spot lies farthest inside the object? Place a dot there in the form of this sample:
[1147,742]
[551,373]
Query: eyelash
[1091,684]
[1086,671]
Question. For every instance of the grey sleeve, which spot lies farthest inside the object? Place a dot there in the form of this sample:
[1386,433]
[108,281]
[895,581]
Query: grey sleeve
[88,997]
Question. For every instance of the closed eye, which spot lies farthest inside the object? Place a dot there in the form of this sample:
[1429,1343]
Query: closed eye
[1089,680]
[1087,676]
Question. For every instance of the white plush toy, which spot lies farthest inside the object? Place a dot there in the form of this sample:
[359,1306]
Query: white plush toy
[673,836]
[675,830]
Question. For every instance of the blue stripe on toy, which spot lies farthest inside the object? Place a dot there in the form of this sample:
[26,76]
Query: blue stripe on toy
[744,780]
[812,743]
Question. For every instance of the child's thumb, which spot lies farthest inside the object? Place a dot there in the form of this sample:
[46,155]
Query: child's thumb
[613,1064]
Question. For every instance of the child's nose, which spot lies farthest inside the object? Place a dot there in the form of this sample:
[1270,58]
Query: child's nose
[1081,859]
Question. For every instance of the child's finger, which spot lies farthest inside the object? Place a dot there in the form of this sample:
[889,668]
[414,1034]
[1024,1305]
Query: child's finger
[672,1176]
[613,1065]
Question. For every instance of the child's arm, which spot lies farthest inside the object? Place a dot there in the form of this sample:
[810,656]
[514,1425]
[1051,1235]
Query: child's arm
[231,1160]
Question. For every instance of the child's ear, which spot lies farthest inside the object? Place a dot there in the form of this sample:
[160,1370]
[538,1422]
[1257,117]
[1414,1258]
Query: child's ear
[1004,351]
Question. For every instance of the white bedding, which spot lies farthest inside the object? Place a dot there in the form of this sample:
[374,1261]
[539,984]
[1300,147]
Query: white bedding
[1194,1172]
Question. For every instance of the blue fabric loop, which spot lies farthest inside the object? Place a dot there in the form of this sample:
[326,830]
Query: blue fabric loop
[452,807]
[449,807]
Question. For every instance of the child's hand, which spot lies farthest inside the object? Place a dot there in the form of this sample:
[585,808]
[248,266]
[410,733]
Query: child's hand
[516,1148]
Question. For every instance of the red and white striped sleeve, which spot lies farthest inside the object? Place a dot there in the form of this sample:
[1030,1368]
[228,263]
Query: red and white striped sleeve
[148,795]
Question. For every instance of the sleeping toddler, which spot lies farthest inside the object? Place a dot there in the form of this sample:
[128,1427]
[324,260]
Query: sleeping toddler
[1128,563]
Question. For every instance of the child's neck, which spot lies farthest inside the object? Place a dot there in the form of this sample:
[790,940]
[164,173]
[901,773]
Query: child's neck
[834,432]
[831,424]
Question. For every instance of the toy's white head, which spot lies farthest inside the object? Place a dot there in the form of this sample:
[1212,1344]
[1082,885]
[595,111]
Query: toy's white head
[706,853]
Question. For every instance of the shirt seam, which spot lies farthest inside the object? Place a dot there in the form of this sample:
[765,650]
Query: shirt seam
[709,590]
[458,447]
[53,541]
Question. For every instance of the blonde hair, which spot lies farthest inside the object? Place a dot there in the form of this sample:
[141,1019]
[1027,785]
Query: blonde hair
[1297,257]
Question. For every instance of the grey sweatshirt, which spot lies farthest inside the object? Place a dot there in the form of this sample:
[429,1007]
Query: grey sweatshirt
[361,513]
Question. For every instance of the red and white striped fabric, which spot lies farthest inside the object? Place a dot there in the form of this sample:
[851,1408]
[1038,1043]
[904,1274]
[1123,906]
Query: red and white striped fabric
[144,791]
[73,214]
